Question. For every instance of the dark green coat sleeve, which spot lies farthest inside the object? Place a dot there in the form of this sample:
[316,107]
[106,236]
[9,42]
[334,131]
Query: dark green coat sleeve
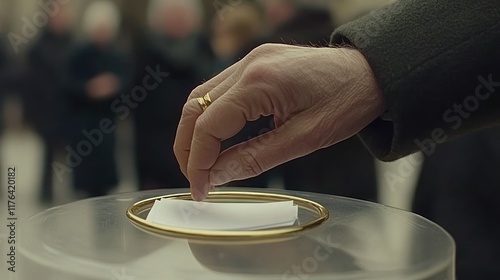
[437,63]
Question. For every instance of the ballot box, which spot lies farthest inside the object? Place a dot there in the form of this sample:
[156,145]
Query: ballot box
[96,239]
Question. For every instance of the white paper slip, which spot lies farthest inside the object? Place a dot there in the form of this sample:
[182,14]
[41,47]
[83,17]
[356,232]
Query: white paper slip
[222,216]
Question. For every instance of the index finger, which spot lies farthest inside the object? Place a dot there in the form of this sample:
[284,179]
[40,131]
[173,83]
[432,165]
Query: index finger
[192,110]
[220,121]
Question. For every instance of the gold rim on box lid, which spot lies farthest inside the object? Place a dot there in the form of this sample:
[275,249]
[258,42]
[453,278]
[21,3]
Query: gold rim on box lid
[142,206]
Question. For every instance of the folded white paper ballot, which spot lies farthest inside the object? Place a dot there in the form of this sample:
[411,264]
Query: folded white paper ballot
[222,216]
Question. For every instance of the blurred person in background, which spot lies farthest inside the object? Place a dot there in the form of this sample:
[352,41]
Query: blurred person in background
[344,11]
[235,33]
[3,66]
[10,80]
[278,12]
[299,22]
[458,188]
[11,109]
[173,44]
[96,73]
[42,93]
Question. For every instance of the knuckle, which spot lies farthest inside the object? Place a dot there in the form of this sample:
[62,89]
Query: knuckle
[258,73]
[201,125]
[197,92]
[189,107]
[261,50]
[177,150]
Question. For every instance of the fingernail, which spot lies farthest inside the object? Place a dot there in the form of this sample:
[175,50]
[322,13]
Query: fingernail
[200,195]
[197,195]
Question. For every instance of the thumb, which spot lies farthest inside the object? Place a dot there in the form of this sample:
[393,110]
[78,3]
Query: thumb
[259,154]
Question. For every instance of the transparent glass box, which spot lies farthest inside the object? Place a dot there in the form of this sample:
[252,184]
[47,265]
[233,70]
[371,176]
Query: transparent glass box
[94,239]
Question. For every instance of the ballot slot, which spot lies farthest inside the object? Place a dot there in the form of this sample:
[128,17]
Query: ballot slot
[228,214]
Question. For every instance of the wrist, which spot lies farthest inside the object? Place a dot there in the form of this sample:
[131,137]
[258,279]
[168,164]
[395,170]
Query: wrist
[366,83]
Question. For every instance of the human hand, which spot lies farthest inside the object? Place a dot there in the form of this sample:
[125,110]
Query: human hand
[102,86]
[318,97]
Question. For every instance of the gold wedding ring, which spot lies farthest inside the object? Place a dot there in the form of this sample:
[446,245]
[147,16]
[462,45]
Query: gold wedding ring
[204,101]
